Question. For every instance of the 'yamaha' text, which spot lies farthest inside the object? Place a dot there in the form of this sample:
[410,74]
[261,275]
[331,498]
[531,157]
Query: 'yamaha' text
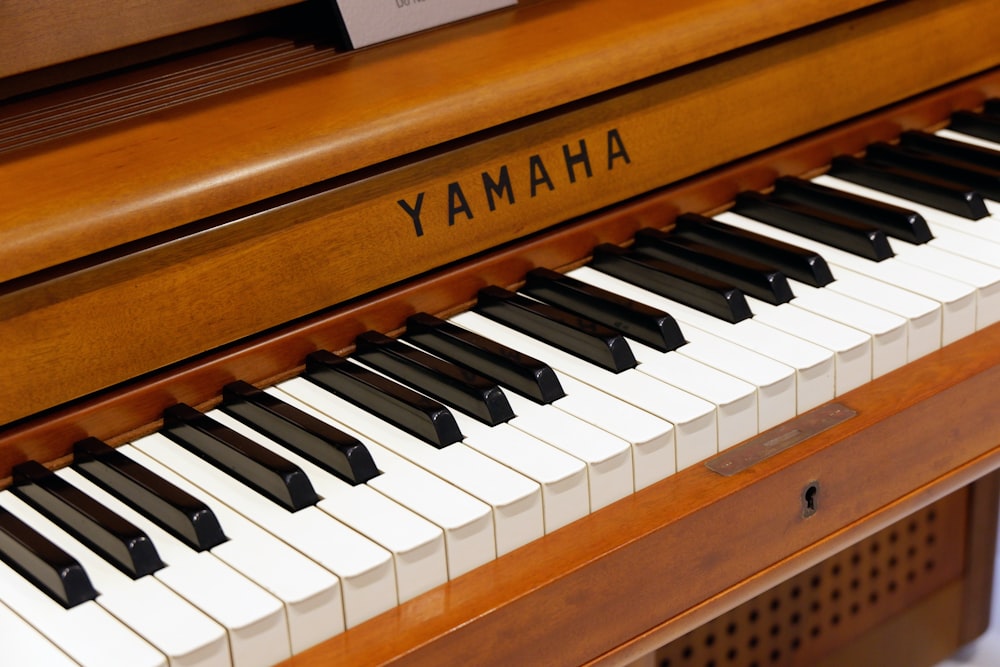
[531,178]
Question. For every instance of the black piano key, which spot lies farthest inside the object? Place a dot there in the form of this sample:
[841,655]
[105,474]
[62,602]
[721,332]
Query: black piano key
[982,180]
[525,375]
[984,126]
[752,277]
[992,107]
[173,509]
[795,262]
[932,144]
[897,222]
[456,386]
[935,193]
[708,295]
[836,231]
[644,323]
[323,444]
[577,335]
[43,563]
[409,410]
[105,532]
[243,459]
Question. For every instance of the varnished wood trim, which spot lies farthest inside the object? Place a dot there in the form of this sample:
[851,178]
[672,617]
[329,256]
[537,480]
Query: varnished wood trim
[977,594]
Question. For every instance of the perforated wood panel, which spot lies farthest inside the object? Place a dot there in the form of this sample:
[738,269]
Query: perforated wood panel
[828,605]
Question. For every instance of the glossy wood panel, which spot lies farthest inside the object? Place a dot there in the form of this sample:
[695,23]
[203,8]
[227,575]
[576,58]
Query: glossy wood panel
[236,275]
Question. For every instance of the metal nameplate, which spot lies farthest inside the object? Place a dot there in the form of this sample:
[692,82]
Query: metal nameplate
[779,438]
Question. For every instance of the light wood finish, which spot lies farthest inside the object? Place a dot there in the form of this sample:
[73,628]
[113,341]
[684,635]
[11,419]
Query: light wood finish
[79,311]
[978,591]
[921,636]
[260,267]
[40,33]
[813,617]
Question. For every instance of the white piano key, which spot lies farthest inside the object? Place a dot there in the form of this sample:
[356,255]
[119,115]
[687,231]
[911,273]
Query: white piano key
[181,632]
[654,450]
[852,348]
[968,138]
[958,300]
[467,522]
[813,365]
[24,645]
[608,458]
[515,500]
[561,477]
[775,381]
[889,332]
[923,315]
[366,571]
[310,593]
[416,545]
[979,240]
[735,399]
[948,254]
[986,279]
[74,630]
[254,620]
[694,419]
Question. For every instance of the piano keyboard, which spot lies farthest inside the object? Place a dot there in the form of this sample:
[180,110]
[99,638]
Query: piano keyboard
[286,515]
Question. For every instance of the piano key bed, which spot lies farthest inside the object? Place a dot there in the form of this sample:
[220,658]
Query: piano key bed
[282,517]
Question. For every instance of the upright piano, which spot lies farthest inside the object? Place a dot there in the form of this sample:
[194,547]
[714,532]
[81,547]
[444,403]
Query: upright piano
[205,209]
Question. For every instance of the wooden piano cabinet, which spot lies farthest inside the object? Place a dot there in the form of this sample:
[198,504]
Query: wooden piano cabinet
[154,259]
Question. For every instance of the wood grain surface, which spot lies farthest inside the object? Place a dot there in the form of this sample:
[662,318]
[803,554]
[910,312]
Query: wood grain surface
[255,268]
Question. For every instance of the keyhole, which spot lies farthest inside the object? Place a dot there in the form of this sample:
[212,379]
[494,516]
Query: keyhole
[809,499]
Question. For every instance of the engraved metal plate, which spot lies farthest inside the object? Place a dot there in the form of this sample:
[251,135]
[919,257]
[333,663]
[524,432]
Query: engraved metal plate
[779,438]
[371,21]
